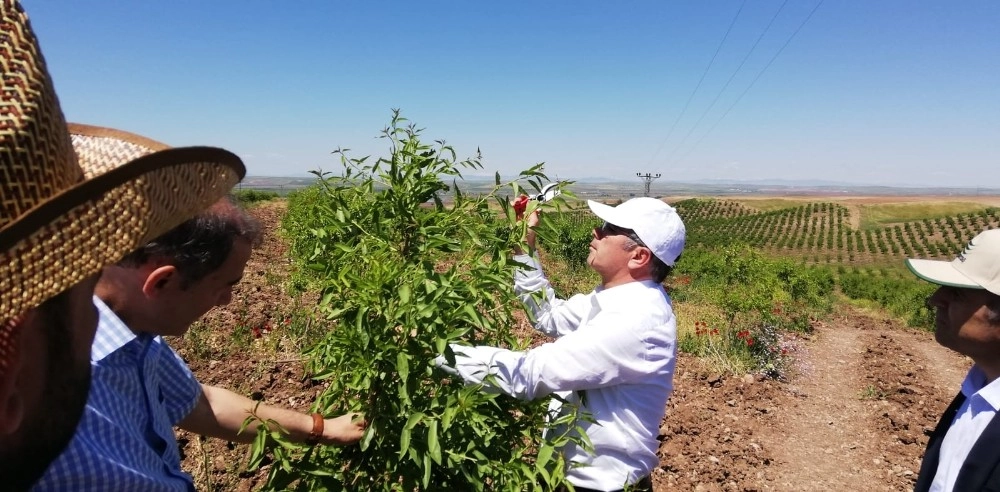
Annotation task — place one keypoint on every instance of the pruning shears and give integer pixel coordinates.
(547, 193)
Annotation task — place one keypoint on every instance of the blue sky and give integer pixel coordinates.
(894, 92)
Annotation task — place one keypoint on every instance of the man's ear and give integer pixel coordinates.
(641, 257)
(159, 279)
(11, 401)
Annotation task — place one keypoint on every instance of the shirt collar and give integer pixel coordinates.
(975, 385)
(112, 333)
(623, 294)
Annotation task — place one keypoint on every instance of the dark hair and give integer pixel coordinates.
(661, 270)
(200, 245)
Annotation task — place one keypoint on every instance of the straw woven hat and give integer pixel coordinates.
(65, 214)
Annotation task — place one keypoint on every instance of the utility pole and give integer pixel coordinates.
(647, 179)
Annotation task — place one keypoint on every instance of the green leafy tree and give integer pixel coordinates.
(406, 264)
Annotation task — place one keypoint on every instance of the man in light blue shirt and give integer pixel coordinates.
(141, 389)
(962, 453)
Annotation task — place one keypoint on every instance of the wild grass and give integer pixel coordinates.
(771, 204)
(871, 392)
(690, 313)
(567, 280)
(876, 216)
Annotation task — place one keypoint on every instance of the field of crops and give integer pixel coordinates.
(821, 232)
(861, 248)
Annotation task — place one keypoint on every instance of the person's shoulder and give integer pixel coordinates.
(173, 364)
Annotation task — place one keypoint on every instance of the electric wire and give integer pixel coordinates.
(726, 85)
(752, 82)
(711, 62)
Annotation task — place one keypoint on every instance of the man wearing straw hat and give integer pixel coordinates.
(141, 388)
(615, 345)
(62, 218)
(962, 452)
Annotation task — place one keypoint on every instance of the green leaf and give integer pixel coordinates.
(404, 294)
(413, 420)
(544, 454)
(456, 334)
(447, 417)
(366, 440)
(427, 471)
(432, 441)
(403, 366)
(404, 442)
(471, 311)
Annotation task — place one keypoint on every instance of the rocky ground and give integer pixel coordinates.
(853, 415)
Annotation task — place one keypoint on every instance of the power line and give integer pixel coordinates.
(754, 81)
(711, 62)
(726, 85)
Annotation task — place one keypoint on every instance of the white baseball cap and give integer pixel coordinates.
(656, 223)
(978, 267)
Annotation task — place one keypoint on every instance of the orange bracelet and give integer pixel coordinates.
(317, 429)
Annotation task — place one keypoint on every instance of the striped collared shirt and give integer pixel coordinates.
(982, 399)
(140, 388)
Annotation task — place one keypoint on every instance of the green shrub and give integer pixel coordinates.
(570, 237)
(758, 297)
(401, 275)
(904, 297)
(251, 196)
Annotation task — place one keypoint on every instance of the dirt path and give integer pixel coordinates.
(854, 416)
(822, 445)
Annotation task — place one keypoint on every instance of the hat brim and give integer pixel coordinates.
(121, 204)
(608, 214)
(941, 273)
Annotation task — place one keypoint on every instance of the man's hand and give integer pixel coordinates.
(519, 205)
(343, 430)
(442, 363)
(534, 219)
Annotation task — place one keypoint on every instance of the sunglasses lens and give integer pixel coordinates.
(612, 230)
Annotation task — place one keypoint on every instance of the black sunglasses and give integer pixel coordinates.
(609, 229)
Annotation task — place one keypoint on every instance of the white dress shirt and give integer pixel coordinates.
(618, 345)
(981, 403)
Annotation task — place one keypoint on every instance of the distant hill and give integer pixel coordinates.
(601, 187)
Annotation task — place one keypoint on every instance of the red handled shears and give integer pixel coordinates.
(547, 193)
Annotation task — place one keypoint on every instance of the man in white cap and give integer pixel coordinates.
(962, 453)
(615, 347)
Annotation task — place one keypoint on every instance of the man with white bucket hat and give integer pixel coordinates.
(615, 347)
(962, 453)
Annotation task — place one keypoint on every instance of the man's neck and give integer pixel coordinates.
(991, 369)
(112, 297)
